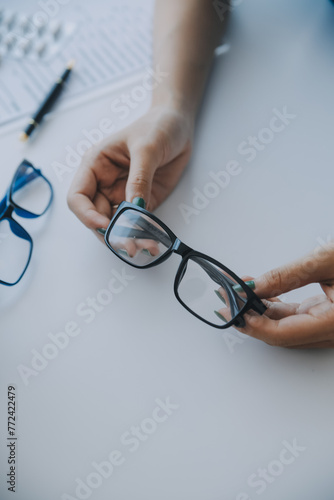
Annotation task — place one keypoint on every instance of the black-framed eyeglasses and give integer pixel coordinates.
(29, 195)
(204, 286)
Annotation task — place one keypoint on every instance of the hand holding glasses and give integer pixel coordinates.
(29, 195)
(204, 286)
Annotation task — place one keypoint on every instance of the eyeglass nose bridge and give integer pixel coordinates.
(7, 212)
(180, 248)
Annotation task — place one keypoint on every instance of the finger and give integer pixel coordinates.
(251, 279)
(226, 298)
(102, 205)
(232, 302)
(310, 269)
(110, 151)
(80, 200)
(247, 278)
(150, 245)
(125, 246)
(328, 288)
(295, 330)
(275, 308)
(314, 305)
(279, 310)
(134, 246)
(223, 314)
(143, 165)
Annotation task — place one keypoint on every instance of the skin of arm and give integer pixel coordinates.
(186, 35)
(147, 158)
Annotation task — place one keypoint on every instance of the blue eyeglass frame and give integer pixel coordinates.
(186, 252)
(8, 206)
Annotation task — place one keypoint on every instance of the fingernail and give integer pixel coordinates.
(140, 202)
(220, 297)
(239, 289)
(123, 252)
(101, 230)
(146, 252)
(220, 316)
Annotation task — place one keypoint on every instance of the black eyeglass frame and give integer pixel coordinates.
(177, 246)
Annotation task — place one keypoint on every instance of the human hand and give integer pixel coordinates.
(144, 160)
(306, 325)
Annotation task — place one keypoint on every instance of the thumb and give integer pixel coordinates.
(309, 269)
(142, 169)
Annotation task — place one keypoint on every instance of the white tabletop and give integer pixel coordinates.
(235, 403)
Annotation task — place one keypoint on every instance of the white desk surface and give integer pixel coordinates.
(239, 405)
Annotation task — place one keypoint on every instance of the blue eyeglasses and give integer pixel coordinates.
(29, 196)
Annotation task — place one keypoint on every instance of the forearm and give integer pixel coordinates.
(186, 33)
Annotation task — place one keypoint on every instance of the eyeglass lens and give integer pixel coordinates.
(30, 190)
(138, 238)
(208, 291)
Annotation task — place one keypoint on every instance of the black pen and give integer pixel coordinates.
(47, 103)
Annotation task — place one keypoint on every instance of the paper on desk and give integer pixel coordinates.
(106, 50)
